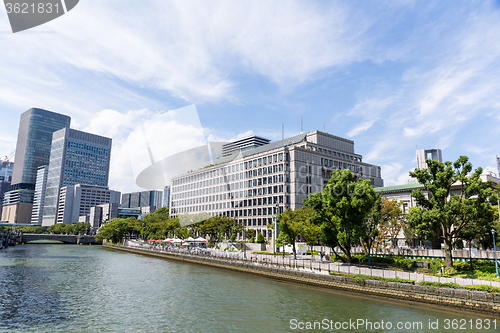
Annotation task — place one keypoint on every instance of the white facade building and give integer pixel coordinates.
(76, 200)
(250, 184)
(38, 202)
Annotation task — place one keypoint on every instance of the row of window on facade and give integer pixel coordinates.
(230, 169)
(235, 177)
(232, 195)
(78, 146)
(235, 186)
(336, 164)
(232, 213)
(340, 155)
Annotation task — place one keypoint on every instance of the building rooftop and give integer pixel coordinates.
(403, 187)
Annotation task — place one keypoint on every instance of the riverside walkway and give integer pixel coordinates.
(306, 263)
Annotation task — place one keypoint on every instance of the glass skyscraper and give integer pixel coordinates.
(33, 144)
(76, 158)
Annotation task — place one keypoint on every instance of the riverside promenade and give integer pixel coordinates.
(310, 264)
(307, 272)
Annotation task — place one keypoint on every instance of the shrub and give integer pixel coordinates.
(252, 240)
(440, 285)
(233, 237)
(462, 266)
(403, 263)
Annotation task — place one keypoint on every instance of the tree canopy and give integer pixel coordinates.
(452, 213)
(341, 210)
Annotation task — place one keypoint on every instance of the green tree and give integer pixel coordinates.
(291, 224)
(260, 238)
(341, 210)
(450, 212)
(392, 221)
(372, 224)
(114, 230)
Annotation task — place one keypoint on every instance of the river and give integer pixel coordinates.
(63, 288)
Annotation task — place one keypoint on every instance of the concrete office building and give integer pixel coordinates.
(76, 158)
(17, 205)
(428, 154)
(38, 202)
(101, 214)
(77, 200)
(250, 184)
(33, 144)
(142, 199)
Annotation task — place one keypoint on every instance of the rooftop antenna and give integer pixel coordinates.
(324, 128)
(301, 128)
(282, 131)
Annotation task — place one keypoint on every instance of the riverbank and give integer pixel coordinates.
(458, 299)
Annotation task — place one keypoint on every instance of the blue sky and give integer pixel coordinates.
(390, 75)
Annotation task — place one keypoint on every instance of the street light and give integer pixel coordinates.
(275, 227)
(495, 249)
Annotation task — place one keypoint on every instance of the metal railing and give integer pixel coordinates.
(306, 263)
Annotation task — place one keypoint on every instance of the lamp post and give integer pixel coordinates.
(275, 227)
(495, 249)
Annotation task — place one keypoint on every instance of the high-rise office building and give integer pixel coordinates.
(38, 202)
(428, 154)
(76, 157)
(33, 144)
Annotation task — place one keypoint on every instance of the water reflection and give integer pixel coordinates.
(25, 298)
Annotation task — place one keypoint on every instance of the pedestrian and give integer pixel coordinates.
(321, 255)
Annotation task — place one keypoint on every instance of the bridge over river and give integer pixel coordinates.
(68, 239)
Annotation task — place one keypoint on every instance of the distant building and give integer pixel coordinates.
(76, 158)
(38, 202)
(5, 179)
(142, 199)
(102, 213)
(77, 200)
(33, 144)
(17, 205)
(32, 151)
(428, 154)
(166, 196)
(137, 212)
(243, 144)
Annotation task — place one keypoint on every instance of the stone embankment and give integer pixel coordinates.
(458, 299)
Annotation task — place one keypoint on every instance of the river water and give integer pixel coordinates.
(63, 288)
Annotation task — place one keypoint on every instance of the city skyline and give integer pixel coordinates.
(388, 76)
